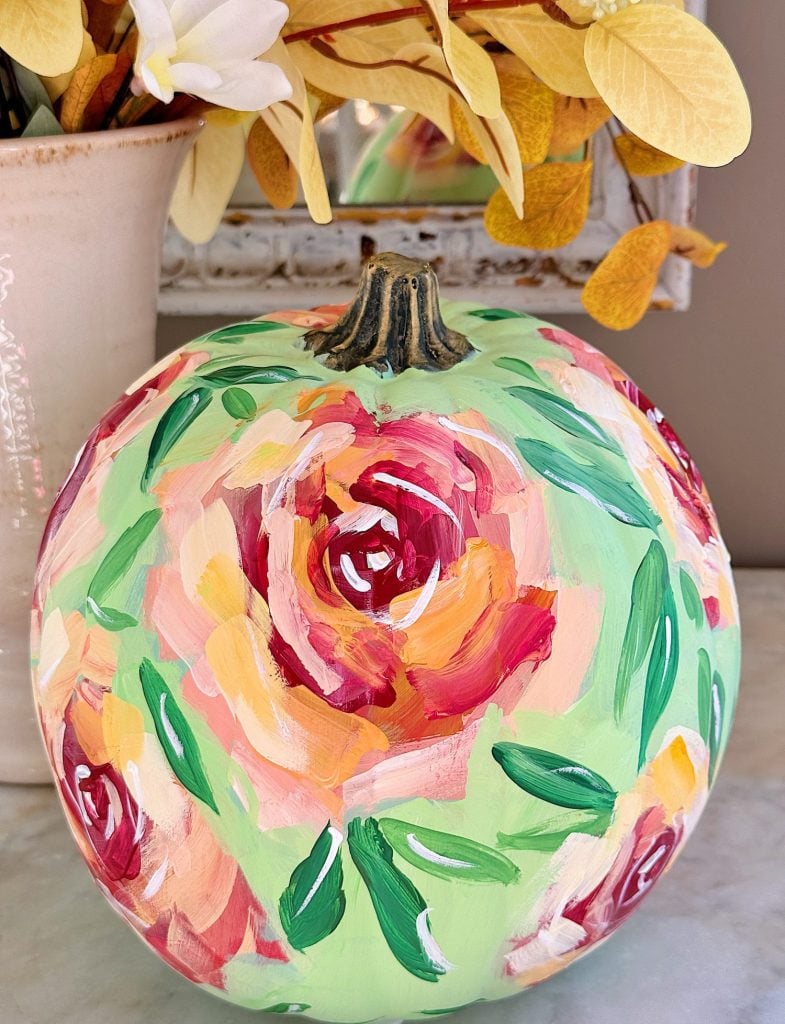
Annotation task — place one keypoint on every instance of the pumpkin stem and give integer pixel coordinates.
(394, 322)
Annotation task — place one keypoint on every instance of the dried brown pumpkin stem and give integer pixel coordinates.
(394, 322)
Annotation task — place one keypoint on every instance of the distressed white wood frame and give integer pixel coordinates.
(262, 259)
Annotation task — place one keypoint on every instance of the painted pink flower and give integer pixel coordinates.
(391, 585)
(105, 811)
(643, 857)
(600, 880)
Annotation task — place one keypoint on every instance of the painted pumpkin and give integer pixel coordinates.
(384, 661)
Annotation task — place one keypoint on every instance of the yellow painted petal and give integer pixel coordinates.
(471, 66)
(642, 159)
(123, 729)
(557, 202)
(481, 577)
(554, 52)
(112, 732)
(81, 88)
(574, 121)
(668, 78)
(695, 246)
(678, 774)
(291, 727)
(619, 291)
(208, 178)
(42, 35)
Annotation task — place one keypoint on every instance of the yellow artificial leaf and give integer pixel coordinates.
(208, 177)
(326, 102)
(272, 168)
(694, 246)
(471, 67)
(668, 78)
(619, 291)
(81, 88)
(55, 87)
(42, 35)
(557, 202)
(554, 52)
(498, 145)
(529, 106)
(463, 133)
(381, 64)
(574, 121)
(642, 159)
(291, 122)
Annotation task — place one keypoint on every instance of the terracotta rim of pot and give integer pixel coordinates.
(49, 148)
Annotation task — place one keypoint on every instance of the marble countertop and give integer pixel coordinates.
(708, 946)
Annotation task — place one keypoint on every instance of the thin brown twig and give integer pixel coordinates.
(639, 204)
(456, 8)
(120, 97)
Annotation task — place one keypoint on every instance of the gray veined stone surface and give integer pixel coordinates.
(707, 947)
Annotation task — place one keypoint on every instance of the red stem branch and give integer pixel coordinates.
(457, 7)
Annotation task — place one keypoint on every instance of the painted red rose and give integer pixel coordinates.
(106, 812)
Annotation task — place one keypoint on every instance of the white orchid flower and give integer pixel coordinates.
(208, 48)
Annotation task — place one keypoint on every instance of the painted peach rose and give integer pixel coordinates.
(348, 588)
(600, 880)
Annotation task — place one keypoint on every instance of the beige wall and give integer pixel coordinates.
(718, 371)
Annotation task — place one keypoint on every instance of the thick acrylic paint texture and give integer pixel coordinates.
(370, 696)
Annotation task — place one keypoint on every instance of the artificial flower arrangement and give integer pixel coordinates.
(522, 85)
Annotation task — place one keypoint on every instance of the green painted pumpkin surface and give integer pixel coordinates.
(371, 696)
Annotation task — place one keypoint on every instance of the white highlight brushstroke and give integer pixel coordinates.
(171, 735)
(336, 838)
(420, 492)
(421, 850)
(429, 943)
(422, 601)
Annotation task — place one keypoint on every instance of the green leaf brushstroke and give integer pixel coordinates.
(691, 597)
(554, 778)
(120, 557)
(240, 374)
(549, 835)
(239, 403)
(313, 903)
(704, 694)
(596, 483)
(174, 734)
(235, 333)
(287, 1008)
(661, 671)
(564, 415)
(498, 314)
(448, 856)
(713, 736)
(520, 367)
(399, 907)
(171, 427)
(110, 618)
(648, 590)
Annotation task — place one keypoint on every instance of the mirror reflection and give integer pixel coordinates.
(376, 155)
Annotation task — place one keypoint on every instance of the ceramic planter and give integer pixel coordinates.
(81, 224)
